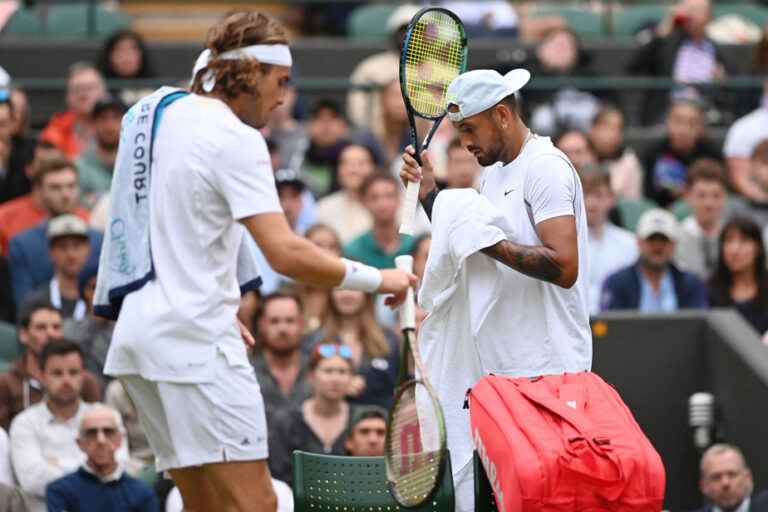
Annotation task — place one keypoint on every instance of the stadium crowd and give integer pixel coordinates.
(681, 223)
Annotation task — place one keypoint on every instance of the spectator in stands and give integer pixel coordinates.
(329, 133)
(22, 384)
(286, 135)
(680, 50)
(125, 56)
(758, 174)
(379, 246)
(71, 131)
(364, 106)
(351, 319)
(140, 453)
(15, 151)
(420, 252)
(706, 194)
(96, 163)
(28, 258)
(343, 210)
(654, 284)
(280, 365)
(621, 162)
(367, 430)
(461, 169)
(577, 147)
(726, 482)
(611, 248)
(290, 189)
(91, 332)
(666, 161)
(740, 280)
(315, 300)
(43, 446)
(100, 483)
(320, 423)
(20, 105)
(51, 175)
(391, 129)
(742, 139)
(68, 248)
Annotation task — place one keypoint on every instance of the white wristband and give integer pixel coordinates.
(360, 277)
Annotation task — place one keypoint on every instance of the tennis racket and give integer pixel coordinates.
(415, 446)
(434, 53)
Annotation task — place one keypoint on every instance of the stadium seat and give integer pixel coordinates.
(632, 209)
(354, 484)
(485, 501)
(587, 24)
(23, 22)
(628, 20)
(71, 20)
(370, 21)
(9, 345)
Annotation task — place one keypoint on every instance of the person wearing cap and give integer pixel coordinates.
(178, 347)
(96, 163)
(654, 284)
(537, 189)
(666, 161)
(68, 248)
(367, 430)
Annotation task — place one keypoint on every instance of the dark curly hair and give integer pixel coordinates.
(239, 29)
(104, 62)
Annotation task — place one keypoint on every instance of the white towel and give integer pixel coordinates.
(459, 287)
(125, 263)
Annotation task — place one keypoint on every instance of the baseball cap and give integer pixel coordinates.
(477, 91)
(66, 225)
(401, 16)
(108, 102)
(289, 177)
(657, 222)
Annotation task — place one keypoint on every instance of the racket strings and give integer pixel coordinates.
(434, 57)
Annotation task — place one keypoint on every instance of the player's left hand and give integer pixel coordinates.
(397, 283)
(248, 338)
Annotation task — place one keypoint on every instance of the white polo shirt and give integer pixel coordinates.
(209, 170)
(535, 327)
(746, 133)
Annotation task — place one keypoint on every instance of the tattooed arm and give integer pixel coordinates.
(556, 261)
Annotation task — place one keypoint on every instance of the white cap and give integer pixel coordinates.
(657, 222)
(401, 16)
(477, 91)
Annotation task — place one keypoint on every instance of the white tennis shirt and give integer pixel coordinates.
(209, 170)
(535, 327)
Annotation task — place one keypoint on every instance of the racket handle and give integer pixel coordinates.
(408, 309)
(407, 226)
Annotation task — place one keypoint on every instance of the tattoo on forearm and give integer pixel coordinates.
(534, 261)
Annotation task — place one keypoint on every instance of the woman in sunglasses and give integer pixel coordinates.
(350, 318)
(321, 422)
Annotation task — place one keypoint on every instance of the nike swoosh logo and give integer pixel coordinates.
(506, 192)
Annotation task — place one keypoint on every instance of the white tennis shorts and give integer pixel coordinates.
(191, 424)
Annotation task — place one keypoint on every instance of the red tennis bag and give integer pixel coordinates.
(563, 443)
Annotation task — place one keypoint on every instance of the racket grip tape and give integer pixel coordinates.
(408, 308)
(407, 226)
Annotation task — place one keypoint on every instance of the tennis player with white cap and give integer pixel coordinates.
(178, 348)
(539, 325)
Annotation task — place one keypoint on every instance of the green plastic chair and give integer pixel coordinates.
(23, 22)
(71, 21)
(754, 13)
(628, 20)
(585, 23)
(9, 345)
(370, 21)
(632, 209)
(485, 501)
(354, 484)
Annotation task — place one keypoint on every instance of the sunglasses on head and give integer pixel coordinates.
(5, 96)
(93, 433)
(333, 349)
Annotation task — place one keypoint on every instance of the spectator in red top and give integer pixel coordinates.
(70, 131)
(52, 177)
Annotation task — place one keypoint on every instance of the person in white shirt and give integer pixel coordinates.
(611, 248)
(539, 322)
(177, 347)
(43, 437)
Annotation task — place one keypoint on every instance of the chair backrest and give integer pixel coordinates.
(584, 22)
(630, 19)
(370, 21)
(71, 20)
(9, 345)
(23, 22)
(354, 484)
(485, 501)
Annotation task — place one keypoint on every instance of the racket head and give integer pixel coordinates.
(415, 446)
(434, 53)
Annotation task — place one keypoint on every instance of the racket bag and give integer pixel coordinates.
(563, 443)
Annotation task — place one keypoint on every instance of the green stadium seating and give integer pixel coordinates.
(23, 22)
(587, 24)
(632, 209)
(9, 345)
(354, 484)
(628, 20)
(71, 21)
(370, 21)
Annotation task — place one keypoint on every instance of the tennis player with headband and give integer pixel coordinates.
(538, 190)
(177, 347)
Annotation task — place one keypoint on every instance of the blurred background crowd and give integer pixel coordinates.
(661, 107)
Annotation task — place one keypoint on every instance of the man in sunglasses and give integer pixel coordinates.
(100, 483)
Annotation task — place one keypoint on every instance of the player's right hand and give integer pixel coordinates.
(395, 283)
(412, 171)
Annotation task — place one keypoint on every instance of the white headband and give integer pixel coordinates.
(278, 54)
